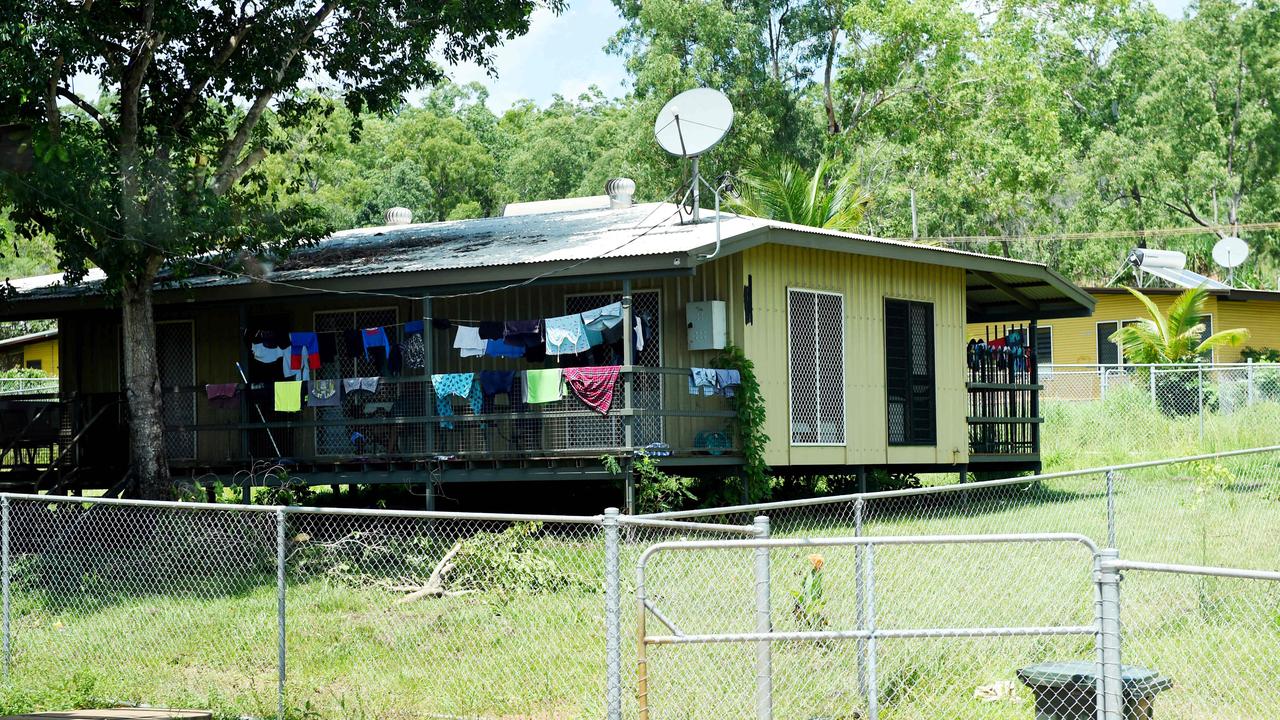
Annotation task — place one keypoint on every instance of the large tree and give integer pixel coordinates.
(159, 168)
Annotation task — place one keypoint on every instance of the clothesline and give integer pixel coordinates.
(438, 323)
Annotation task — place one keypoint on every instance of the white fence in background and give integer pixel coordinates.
(28, 386)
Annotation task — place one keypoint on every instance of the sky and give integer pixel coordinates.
(564, 54)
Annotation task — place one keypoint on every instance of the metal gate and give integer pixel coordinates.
(176, 362)
(864, 626)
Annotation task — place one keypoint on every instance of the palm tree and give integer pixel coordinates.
(1173, 337)
(779, 189)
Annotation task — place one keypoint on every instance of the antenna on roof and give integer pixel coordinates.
(690, 124)
(1230, 252)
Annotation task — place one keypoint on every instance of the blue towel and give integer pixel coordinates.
(702, 379)
(500, 349)
(727, 381)
(496, 382)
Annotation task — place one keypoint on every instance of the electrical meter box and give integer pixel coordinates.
(706, 325)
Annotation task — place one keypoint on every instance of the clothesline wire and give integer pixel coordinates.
(366, 293)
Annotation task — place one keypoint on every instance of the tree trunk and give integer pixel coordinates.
(142, 389)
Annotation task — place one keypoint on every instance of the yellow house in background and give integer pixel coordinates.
(1086, 340)
(38, 351)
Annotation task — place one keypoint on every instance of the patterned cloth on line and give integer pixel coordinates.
(594, 386)
(702, 381)
(566, 335)
(324, 393)
(367, 384)
(461, 385)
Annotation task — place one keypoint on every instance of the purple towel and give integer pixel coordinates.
(522, 333)
(223, 396)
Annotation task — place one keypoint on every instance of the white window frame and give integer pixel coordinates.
(844, 414)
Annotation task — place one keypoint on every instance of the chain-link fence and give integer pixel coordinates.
(911, 603)
(1098, 414)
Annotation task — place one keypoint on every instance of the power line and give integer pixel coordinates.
(1102, 234)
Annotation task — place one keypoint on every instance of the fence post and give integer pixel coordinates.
(1102, 382)
(860, 593)
(1151, 375)
(612, 616)
(1252, 395)
(1110, 687)
(1200, 398)
(4, 569)
(869, 611)
(1111, 508)
(281, 527)
(764, 624)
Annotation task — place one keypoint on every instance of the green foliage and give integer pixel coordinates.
(748, 422)
(656, 491)
(1173, 337)
(1261, 355)
(778, 189)
(809, 602)
(514, 561)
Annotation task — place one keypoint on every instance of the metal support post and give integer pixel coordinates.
(764, 624)
(860, 594)
(428, 368)
(1111, 508)
(1110, 690)
(281, 528)
(869, 613)
(1102, 382)
(612, 616)
(1151, 377)
(4, 568)
(628, 362)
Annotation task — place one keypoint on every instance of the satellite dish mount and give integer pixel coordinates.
(1230, 252)
(689, 125)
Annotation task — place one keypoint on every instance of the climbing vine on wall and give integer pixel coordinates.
(748, 424)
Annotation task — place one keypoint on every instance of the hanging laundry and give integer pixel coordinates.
(395, 362)
(535, 353)
(638, 341)
(441, 323)
(602, 319)
(611, 334)
(359, 384)
(500, 349)
(264, 354)
(413, 352)
(496, 382)
(292, 373)
(352, 343)
(375, 339)
(491, 330)
(594, 386)
(304, 347)
(324, 393)
(522, 333)
(702, 381)
(467, 341)
(223, 396)
(727, 382)
(271, 339)
(328, 343)
(543, 386)
(414, 327)
(452, 385)
(289, 396)
(566, 335)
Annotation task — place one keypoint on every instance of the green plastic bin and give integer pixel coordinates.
(1068, 690)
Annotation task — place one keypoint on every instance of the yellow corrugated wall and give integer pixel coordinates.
(864, 282)
(1075, 339)
(46, 352)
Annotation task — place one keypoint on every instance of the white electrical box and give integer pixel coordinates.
(706, 325)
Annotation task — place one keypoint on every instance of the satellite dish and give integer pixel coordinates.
(692, 122)
(1230, 252)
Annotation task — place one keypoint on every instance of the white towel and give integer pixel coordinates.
(468, 343)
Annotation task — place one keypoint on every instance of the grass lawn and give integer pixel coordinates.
(355, 652)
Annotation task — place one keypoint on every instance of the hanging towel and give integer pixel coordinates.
(304, 347)
(467, 342)
(223, 396)
(289, 396)
(324, 393)
(500, 349)
(451, 385)
(522, 333)
(375, 338)
(414, 327)
(543, 386)
(594, 386)
(727, 381)
(359, 384)
(702, 381)
(328, 343)
(566, 335)
(491, 330)
(496, 382)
